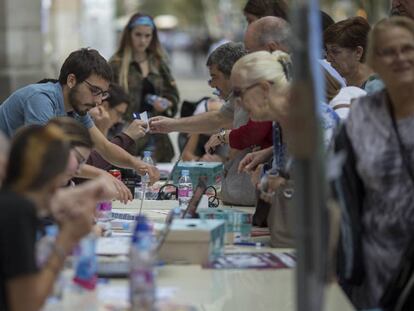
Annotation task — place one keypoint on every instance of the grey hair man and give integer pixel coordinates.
(219, 63)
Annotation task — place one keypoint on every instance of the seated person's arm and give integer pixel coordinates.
(207, 122)
(125, 140)
(119, 157)
(253, 159)
(190, 148)
(28, 289)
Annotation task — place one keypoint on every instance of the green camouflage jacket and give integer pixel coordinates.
(159, 76)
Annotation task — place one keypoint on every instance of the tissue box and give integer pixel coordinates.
(192, 241)
(238, 224)
(212, 170)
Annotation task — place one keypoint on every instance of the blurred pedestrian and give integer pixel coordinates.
(345, 44)
(140, 67)
(380, 128)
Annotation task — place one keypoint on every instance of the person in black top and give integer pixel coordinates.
(38, 161)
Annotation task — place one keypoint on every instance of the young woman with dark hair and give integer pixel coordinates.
(36, 170)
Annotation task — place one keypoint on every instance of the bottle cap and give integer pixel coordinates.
(147, 154)
(185, 173)
(142, 224)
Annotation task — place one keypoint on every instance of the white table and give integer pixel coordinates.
(208, 289)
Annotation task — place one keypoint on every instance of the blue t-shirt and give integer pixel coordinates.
(35, 104)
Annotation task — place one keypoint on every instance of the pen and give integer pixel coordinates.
(257, 244)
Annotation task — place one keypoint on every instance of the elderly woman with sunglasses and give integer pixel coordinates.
(262, 82)
(380, 128)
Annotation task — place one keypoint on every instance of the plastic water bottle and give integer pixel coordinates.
(185, 189)
(150, 194)
(104, 211)
(142, 261)
(104, 217)
(150, 99)
(85, 263)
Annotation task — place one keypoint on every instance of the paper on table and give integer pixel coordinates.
(144, 117)
(113, 246)
(120, 293)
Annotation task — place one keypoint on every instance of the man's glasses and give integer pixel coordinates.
(97, 91)
(79, 157)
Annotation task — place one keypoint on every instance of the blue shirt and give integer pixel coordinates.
(35, 104)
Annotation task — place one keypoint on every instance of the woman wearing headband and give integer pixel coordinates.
(140, 68)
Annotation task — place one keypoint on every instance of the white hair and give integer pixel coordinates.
(262, 65)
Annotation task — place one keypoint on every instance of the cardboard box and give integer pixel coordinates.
(192, 241)
(238, 223)
(212, 170)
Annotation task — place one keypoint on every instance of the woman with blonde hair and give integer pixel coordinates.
(140, 67)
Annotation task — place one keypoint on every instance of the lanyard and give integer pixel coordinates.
(279, 149)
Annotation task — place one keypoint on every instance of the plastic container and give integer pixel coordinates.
(185, 189)
(85, 264)
(104, 211)
(142, 262)
(150, 99)
(150, 192)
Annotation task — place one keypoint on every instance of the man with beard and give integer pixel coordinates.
(83, 84)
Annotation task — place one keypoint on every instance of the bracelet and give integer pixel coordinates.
(222, 136)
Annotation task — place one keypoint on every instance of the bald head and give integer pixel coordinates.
(268, 34)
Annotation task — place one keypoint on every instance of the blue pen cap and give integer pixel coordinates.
(147, 153)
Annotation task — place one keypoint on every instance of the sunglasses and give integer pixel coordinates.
(239, 93)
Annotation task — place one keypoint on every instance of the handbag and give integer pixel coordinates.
(348, 190)
(237, 188)
(280, 218)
